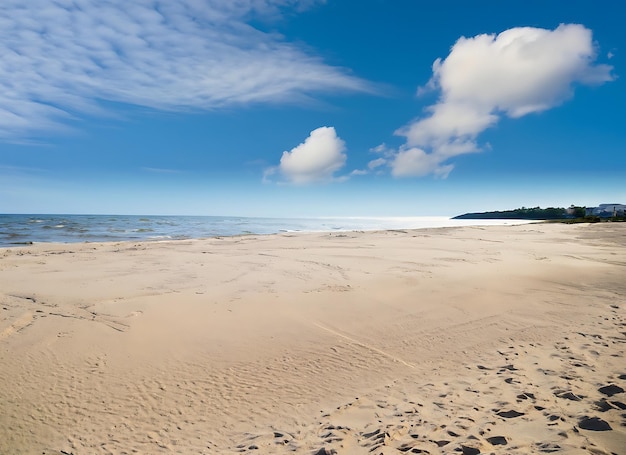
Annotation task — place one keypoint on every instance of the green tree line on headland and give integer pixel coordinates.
(528, 213)
(524, 213)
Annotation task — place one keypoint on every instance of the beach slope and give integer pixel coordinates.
(503, 339)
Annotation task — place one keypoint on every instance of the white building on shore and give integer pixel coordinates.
(606, 210)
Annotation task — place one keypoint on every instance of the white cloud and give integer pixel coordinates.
(61, 58)
(381, 149)
(448, 120)
(315, 160)
(415, 162)
(378, 162)
(518, 72)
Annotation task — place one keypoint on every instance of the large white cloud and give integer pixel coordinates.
(61, 58)
(316, 159)
(518, 72)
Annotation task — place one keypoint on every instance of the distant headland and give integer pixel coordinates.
(613, 212)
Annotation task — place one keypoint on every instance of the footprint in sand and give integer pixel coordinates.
(610, 390)
(497, 441)
(509, 414)
(604, 405)
(594, 424)
(568, 395)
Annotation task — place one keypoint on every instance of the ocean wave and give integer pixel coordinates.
(104, 228)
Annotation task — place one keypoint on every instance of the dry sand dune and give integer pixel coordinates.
(464, 341)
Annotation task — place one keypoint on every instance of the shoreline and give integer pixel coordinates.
(286, 233)
(447, 340)
(16, 230)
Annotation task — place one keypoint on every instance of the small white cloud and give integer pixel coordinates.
(518, 72)
(378, 162)
(359, 172)
(315, 160)
(382, 148)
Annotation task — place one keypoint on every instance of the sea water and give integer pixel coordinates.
(25, 229)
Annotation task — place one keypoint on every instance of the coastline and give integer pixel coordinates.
(19, 230)
(400, 340)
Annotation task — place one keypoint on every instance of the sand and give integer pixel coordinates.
(471, 340)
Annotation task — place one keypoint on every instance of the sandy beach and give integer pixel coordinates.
(501, 339)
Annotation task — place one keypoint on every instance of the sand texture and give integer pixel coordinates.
(504, 340)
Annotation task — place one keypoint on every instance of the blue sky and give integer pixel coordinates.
(310, 108)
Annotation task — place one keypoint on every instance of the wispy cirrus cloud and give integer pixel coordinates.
(520, 71)
(61, 58)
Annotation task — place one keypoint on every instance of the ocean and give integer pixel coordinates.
(18, 230)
